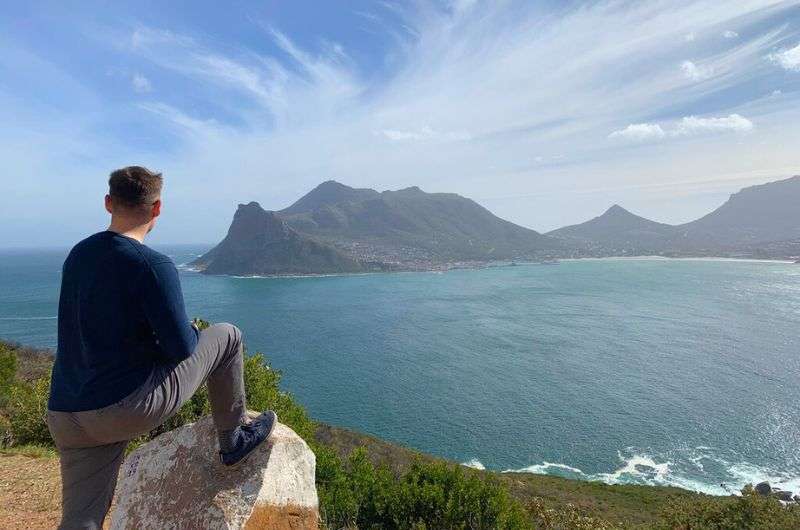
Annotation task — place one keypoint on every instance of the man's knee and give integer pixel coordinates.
(231, 333)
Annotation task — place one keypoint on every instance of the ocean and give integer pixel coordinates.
(668, 372)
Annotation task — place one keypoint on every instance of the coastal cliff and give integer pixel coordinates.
(262, 243)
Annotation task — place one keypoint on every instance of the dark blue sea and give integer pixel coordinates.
(675, 372)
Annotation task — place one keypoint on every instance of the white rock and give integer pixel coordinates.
(177, 482)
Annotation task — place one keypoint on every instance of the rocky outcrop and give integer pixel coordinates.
(260, 242)
(765, 489)
(176, 481)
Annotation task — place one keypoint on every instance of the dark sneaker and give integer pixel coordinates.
(250, 437)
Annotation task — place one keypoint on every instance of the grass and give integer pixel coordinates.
(30, 451)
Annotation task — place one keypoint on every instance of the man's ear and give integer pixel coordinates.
(108, 204)
(156, 208)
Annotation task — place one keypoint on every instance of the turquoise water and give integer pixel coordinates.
(657, 372)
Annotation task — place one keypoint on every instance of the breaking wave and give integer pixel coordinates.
(697, 469)
(474, 464)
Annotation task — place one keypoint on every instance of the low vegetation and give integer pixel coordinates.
(366, 483)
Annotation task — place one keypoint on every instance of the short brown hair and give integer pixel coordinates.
(135, 186)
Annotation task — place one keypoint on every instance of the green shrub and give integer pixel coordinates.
(429, 495)
(8, 370)
(748, 512)
(27, 412)
(6, 439)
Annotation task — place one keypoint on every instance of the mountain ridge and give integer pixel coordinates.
(758, 221)
(338, 228)
(345, 229)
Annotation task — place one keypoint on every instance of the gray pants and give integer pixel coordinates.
(92, 443)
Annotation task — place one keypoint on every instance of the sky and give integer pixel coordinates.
(545, 112)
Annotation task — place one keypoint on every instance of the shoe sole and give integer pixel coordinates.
(253, 450)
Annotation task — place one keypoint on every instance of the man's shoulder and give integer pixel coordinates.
(109, 246)
(154, 257)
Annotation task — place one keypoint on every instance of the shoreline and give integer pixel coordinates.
(491, 265)
(685, 258)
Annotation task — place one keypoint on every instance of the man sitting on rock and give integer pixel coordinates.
(128, 357)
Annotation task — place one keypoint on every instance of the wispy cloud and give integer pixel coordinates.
(788, 59)
(424, 134)
(694, 72)
(141, 84)
(730, 34)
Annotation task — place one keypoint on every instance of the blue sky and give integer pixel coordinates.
(544, 112)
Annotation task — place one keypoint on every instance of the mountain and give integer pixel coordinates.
(261, 243)
(757, 214)
(409, 224)
(336, 228)
(328, 193)
(617, 230)
(759, 221)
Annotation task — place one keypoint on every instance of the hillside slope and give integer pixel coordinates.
(445, 225)
(618, 230)
(261, 243)
(757, 214)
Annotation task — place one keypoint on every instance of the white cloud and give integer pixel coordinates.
(692, 125)
(687, 126)
(788, 59)
(425, 133)
(141, 84)
(730, 34)
(694, 72)
(689, 37)
(640, 132)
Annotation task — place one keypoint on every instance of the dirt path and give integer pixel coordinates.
(30, 492)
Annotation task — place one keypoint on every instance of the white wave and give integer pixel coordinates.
(474, 463)
(545, 467)
(639, 466)
(688, 473)
(750, 474)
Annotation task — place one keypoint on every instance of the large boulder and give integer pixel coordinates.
(782, 495)
(763, 488)
(177, 482)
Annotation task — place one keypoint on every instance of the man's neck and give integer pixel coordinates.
(134, 231)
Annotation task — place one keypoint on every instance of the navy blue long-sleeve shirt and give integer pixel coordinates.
(120, 313)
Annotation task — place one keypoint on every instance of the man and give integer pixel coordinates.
(128, 357)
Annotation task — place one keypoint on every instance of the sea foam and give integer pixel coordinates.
(641, 468)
